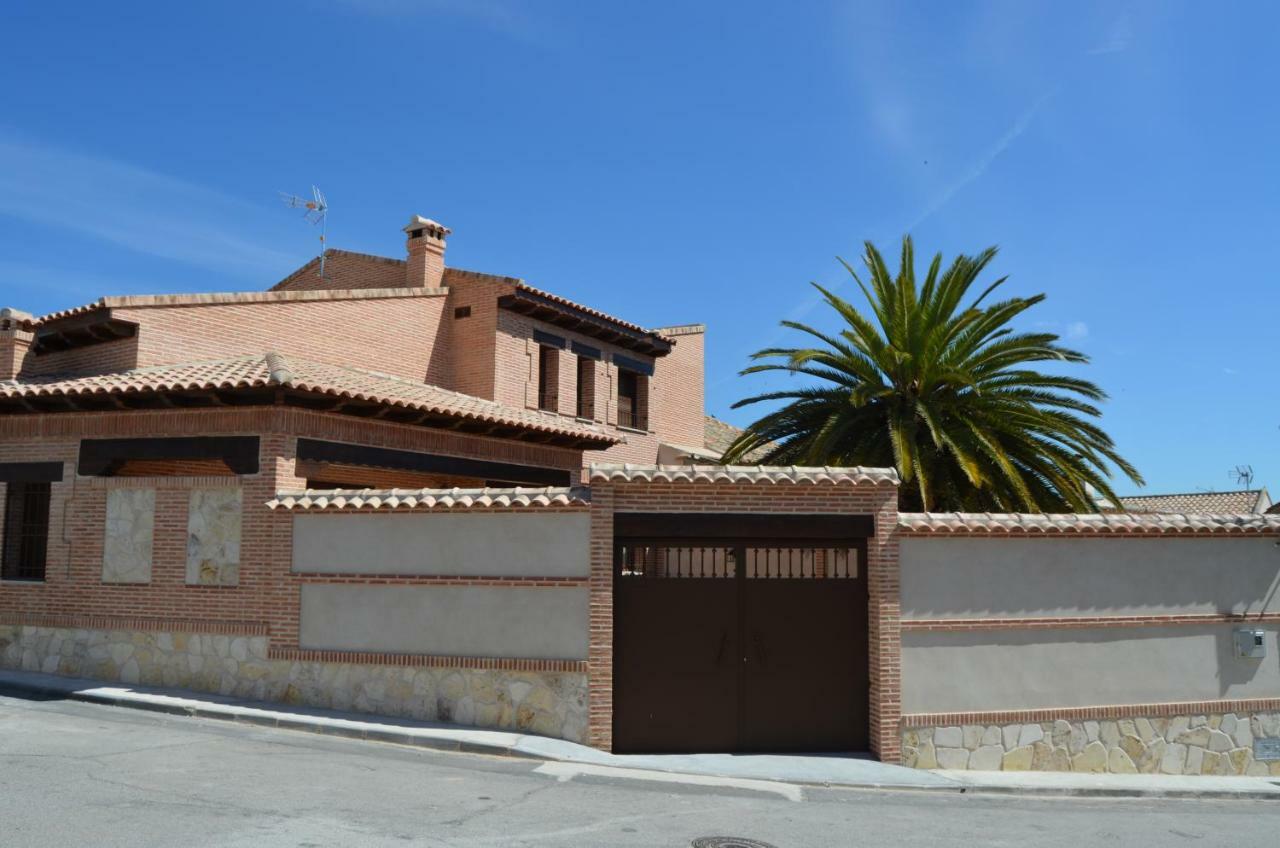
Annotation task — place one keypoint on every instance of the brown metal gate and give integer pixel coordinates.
(740, 633)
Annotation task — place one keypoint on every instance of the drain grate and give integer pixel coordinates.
(728, 842)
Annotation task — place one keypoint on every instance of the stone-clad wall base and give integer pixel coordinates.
(1219, 744)
(545, 703)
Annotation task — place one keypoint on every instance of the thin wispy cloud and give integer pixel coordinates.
(1076, 330)
(134, 208)
(969, 176)
(1118, 36)
(980, 165)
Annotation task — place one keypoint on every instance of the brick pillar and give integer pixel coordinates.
(426, 245)
(16, 336)
(278, 471)
(884, 625)
(600, 634)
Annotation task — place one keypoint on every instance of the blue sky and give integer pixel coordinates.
(680, 162)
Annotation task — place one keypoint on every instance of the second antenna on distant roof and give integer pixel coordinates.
(316, 209)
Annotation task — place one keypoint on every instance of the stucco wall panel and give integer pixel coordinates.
(976, 577)
(489, 545)
(464, 621)
(1017, 669)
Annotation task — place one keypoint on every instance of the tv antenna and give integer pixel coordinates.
(1243, 475)
(316, 212)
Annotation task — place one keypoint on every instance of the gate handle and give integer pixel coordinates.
(724, 634)
(760, 652)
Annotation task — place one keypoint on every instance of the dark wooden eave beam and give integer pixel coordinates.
(95, 327)
(563, 315)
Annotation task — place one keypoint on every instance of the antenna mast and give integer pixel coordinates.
(1243, 475)
(315, 211)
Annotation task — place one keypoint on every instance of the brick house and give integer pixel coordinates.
(141, 437)
(387, 340)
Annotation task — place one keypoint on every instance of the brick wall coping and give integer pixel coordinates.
(144, 301)
(1068, 524)
(350, 499)
(786, 474)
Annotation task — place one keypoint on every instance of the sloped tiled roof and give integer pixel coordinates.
(273, 369)
(564, 301)
(628, 473)
(400, 499)
(718, 435)
(1246, 500)
(1076, 523)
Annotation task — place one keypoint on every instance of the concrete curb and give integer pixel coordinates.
(259, 718)
(428, 738)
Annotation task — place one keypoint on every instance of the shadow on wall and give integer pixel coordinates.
(1237, 671)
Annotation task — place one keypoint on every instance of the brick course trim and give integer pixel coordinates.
(210, 482)
(226, 627)
(1115, 711)
(442, 580)
(1083, 621)
(424, 660)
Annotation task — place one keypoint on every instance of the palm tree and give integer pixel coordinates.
(942, 391)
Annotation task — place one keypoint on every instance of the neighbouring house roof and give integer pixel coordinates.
(794, 474)
(407, 401)
(397, 499)
(718, 435)
(1084, 523)
(1243, 501)
(1274, 509)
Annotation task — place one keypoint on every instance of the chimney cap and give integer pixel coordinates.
(417, 222)
(15, 314)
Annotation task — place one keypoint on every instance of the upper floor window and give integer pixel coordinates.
(586, 387)
(548, 378)
(633, 400)
(26, 530)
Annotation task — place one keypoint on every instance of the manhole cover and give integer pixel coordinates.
(729, 842)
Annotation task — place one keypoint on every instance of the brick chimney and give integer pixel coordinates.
(426, 252)
(15, 339)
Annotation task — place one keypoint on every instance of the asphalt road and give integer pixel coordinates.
(74, 774)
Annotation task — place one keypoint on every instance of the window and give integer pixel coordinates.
(632, 400)
(586, 387)
(548, 378)
(26, 531)
(462, 312)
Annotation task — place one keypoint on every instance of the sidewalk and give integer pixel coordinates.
(814, 770)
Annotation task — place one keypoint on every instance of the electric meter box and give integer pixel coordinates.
(1251, 643)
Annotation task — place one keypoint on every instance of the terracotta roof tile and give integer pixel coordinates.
(627, 473)
(718, 435)
(1072, 523)
(273, 369)
(1246, 500)
(400, 499)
